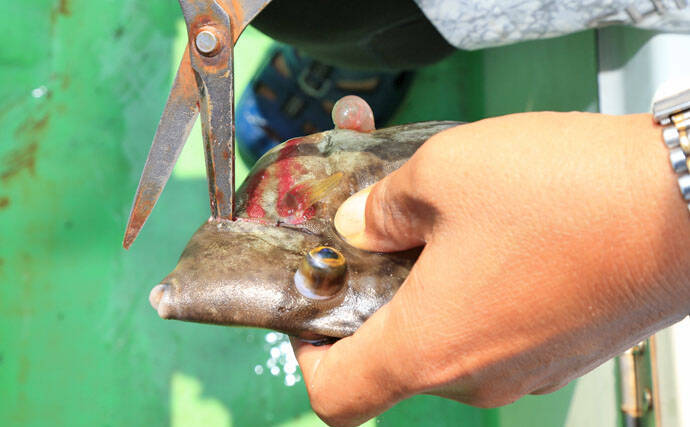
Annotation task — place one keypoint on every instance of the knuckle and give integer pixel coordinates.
(424, 168)
(326, 407)
(489, 397)
(327, 414)
(387, 211)
(433, 175)
(393, 210)
(320, 403)
(550, 388)
(483, 397)
(473, 385)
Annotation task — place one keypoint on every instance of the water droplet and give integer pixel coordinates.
(281, 359)
(258, 369)
(290, 380)
(39, 92)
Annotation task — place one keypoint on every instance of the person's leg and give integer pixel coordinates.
(370, 34)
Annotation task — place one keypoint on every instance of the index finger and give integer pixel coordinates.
(347, 381)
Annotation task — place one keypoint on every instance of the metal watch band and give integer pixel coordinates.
(673, 113)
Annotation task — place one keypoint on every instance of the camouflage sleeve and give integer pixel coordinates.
(475, 24)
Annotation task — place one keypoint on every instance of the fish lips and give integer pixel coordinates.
(242, 273)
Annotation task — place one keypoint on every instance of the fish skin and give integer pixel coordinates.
(241, 272)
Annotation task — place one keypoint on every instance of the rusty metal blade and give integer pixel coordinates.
(173, 129)
(214, 75)
(212, 87)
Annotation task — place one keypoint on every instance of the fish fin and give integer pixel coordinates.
(305, 194)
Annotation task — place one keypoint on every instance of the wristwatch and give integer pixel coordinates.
(673, 113)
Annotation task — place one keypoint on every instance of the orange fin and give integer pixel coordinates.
(305, 194)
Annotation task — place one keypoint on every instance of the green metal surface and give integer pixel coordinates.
(82, 85)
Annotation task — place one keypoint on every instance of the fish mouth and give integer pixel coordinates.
(159, 297)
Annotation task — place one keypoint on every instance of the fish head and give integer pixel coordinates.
(280, 264)
(249, 274)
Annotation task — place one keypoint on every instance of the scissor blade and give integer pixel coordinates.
(214, 76)
(173, 129)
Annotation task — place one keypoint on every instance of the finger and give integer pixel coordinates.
(389, 358)
(348, 382)
(389, 216)
(352, 112)
(308, 355)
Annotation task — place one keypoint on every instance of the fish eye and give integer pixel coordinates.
(325, 256)
(321, 274)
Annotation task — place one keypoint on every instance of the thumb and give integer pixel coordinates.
(388, 216)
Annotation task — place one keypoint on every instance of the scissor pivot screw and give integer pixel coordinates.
(207, 42)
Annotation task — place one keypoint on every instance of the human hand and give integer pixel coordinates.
(553, 241)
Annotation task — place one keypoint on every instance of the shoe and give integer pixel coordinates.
(293, 95)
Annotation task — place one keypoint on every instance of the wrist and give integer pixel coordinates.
(658, 251)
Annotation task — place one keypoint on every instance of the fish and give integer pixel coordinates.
(280, 264)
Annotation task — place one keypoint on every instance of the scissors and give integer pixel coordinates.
(204, 84)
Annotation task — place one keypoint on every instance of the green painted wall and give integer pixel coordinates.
(82, 86)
